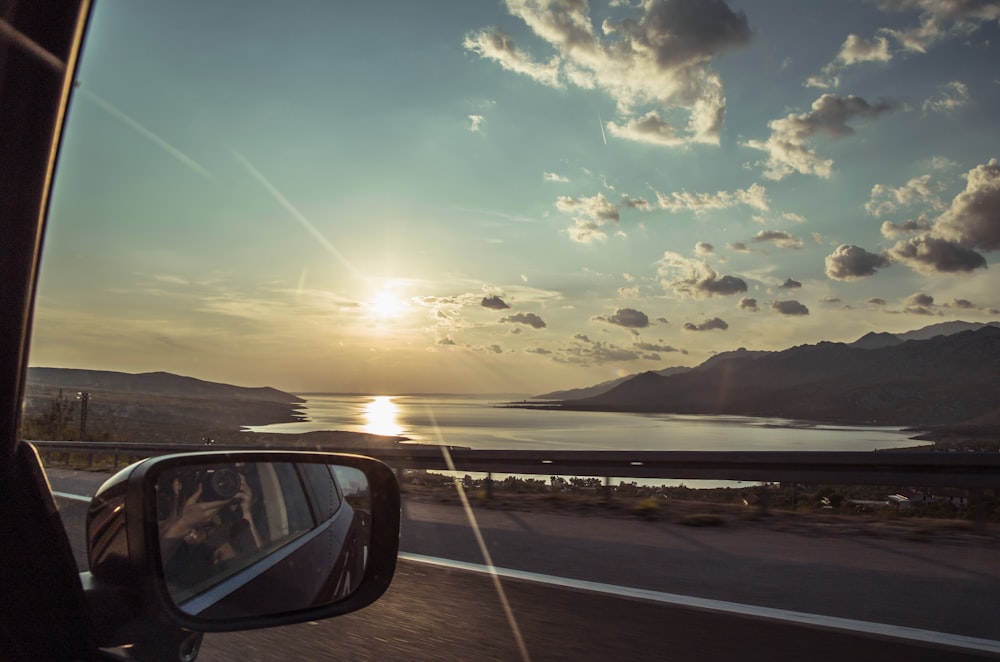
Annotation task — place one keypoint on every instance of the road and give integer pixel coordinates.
(441, 613)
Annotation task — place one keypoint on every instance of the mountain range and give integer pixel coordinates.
(943, 374)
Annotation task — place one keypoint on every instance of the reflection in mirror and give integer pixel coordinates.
(252, 539)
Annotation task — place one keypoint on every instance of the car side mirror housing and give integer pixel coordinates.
(220, 541)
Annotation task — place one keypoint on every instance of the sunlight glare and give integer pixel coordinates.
(380, 417)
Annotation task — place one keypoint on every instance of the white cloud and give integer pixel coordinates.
(888, 199)
(788, 146)
(853, 262)
(854, 50)
(952, 96)
(590, 215)
(554, 177)
(652, 64)
(754, 196)
(694, 278)
(474, 122)
(779, 238)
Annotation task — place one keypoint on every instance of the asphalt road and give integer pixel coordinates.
(438, 613)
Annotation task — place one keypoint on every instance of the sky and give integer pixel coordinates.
(516, 196)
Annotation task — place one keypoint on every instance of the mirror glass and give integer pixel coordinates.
(252, 539)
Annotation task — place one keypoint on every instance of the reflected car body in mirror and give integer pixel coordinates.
(235, 540)
(255, 538)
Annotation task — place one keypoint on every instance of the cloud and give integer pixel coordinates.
(474, 122)
(790, 284)
(938, 19)
(973, 219)
(952, 96)
(654, 347)
(496, 45)
(919, 190)
(494, 303)
(708, 325)
(829, 298)
(853, 262)
(695, 278)
(588, 352)
(627, 317)
(703, 248)
(788, 147)
(747, 303)
(789, 308)
(928, 254)
(854, 50)
(530, 319)
(635, 203)
(738, 246)
(654, 64)
(892, 230)
(554, 177)
(590, 215)
(968, 224)
(445, 341)
(875, 301)
(919, 299)
(754, 196)
(963, 304)
(779, 238)
(538, 350)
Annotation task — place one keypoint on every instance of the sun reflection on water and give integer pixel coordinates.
(380, 417)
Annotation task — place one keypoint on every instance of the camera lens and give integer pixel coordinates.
(226, 483)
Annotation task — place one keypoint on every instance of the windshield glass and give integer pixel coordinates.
(547, 226)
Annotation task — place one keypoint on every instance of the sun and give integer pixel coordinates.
(387, 305)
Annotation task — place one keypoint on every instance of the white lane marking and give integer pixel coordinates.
(721, 606)
(72, 497)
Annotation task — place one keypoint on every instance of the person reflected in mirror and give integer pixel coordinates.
(201, 536)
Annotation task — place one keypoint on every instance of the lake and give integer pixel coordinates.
(477, 422)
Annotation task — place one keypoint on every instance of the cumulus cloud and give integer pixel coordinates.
(929, 254)
(886, 199)
(654, 64)
(790, 284)
(919, 299)
(494, 302)
(695, 278)
(554, 177)
(789, 308)
(635, 203)
(590, 214)
(708, 325)
(475, 121)
(703, 248)
(969, 224)
(854, 50)
(627, 317)
(892, 230)
(738, 246)
(779, 238)
(445, 341)
(530, 319)
(754, 196)
(829, 298)
(788, 147)
(746, 303)
(853, 262)
(538, 350)
(875, 301)
(963, 304)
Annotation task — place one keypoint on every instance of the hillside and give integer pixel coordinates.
(153, 407)
(943, 380)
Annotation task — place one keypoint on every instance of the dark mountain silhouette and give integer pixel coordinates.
(945, 379)
(603, 387)
(875, 340)
(150, 383)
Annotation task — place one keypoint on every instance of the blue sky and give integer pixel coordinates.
(516, 196)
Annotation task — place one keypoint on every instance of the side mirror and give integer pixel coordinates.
(217, 541)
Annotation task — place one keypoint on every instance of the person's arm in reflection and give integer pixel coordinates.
(243, 534)
(187, 521)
